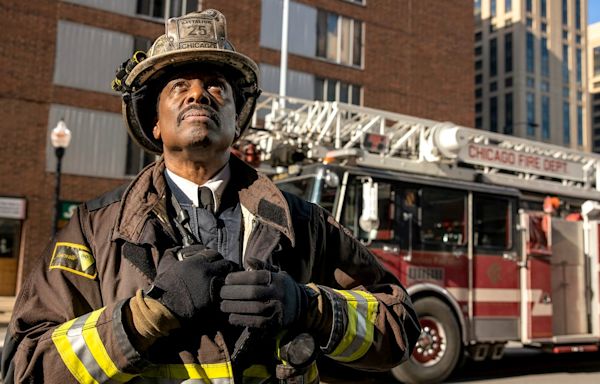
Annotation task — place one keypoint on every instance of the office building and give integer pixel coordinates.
(530, 70)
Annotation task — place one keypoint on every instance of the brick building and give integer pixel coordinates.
(408, 56)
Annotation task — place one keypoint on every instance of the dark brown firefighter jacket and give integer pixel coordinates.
(67, 324)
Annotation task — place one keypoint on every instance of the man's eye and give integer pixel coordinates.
(216, 86)
(179, 85)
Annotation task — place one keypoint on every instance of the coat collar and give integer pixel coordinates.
(257, 193)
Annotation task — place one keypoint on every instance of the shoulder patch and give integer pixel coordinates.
(74, 258)
(107, 198)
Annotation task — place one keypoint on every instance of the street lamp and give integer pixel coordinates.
(60, 137)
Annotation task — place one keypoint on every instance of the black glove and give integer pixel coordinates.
(264, 299)
(190, 286)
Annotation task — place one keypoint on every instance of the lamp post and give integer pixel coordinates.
(60, 138)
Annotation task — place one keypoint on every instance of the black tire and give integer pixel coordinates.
(439, 348)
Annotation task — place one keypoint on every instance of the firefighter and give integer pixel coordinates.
(200, 269)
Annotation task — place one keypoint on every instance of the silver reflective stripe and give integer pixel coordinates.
(75, 337)
(362, 309)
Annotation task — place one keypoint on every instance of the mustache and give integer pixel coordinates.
(209, 111)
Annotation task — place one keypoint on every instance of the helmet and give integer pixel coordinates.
(195, 38)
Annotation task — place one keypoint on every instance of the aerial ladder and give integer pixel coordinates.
(393, 141)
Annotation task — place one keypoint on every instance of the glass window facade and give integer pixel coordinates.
(566, 123)
(545, 117)
(545, 57)
(530, 55)
(578, 64)
(543, 8)
(493, 8)
(565, 63)
(508, 114)
(529, 5)
(494, 114)
(579, 125)
(507, 6)
(493, 57)
(508, 53)
(530, 114)
(578, 14)
(565, 12)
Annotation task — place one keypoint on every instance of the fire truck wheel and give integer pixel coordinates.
(438, 349)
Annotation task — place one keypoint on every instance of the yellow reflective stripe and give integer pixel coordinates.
(372, 306)
(259, 371)
(191, 371)
(67, 354)
(351, 328)
(360, 329)
(98, 351)
(313, 372)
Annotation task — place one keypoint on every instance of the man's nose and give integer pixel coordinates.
(197, 94)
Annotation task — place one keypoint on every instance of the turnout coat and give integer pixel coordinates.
(68, 326)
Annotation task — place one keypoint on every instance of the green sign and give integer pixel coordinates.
(66, 209)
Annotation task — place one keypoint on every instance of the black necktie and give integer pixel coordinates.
(205, 199)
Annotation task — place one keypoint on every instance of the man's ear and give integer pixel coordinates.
(156, 131)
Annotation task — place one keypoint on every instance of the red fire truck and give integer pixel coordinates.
(495, 237)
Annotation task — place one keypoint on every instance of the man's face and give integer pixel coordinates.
(196, 111)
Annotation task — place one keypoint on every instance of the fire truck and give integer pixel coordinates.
(495, 237)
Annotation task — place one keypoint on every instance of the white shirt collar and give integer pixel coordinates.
(216, 184)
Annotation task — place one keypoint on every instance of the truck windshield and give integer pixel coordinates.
(312, 188)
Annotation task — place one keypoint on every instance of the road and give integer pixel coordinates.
(519, 366)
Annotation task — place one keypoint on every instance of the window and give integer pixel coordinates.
(578, 38)
(545, 57)
(596, 96)
(478, 93)
(508, 53)
(165, 9)
(508, 82)
(530, 114)
(528, 5)
(10, 234)
(544, 27)
(507, 6)
(491, 222)
(493, 8)
(508, 114)
(477, 8)
(478, 122)
(493, 57)
(565, 63)
(478, 65)
(478, 78)
(579, 95)
(545, 117)
(493, 86)
(339, 39)
(565, 35)
(566, 123)
(565, 12)
(494, 114)
(530, 53)
(545, 86)
(478, 36)
(478, 50)
(578, 64)
(478, 107)
(335, 90)
(543, 8)
(530, 82)
(443, 216)
(579, 125)
(137, 158)
(566, 92)
(529, 22)
(578, 14)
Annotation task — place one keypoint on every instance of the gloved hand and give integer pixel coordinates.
(263, 298)
(190, 286)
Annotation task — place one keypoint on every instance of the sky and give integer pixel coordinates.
(593, 11)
